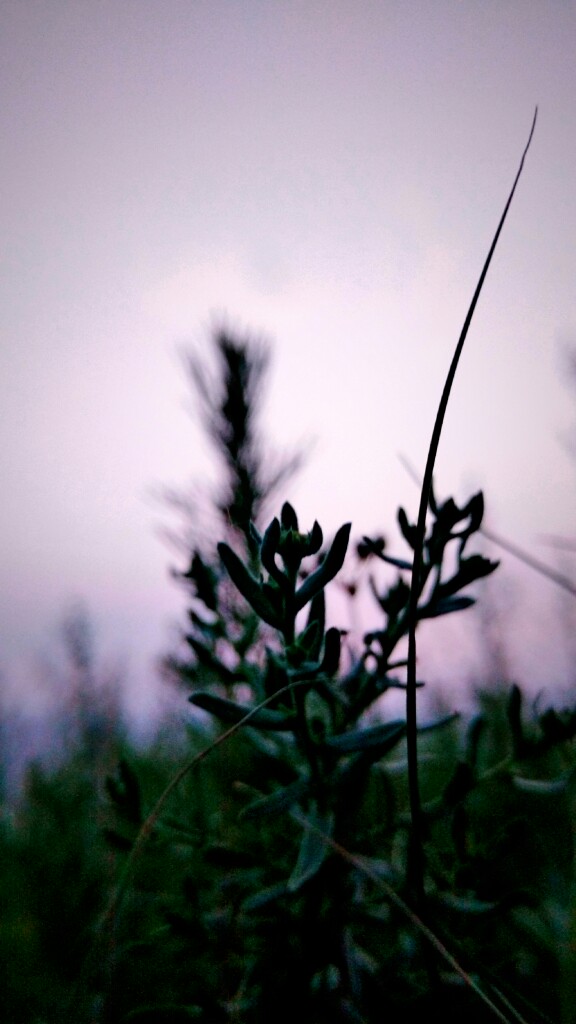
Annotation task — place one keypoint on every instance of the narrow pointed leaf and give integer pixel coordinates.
(474, 568)
(408, 530)
(248, 586)
(453, 716)
(327, 570)
(288, 517)
(230, 711)
(467, 904)
(317, 613)
(313, 848)
(263, 897)
(269, 549)
(315, 538)
(469, 570)
(475, 510)
(332, 646)
(276, 802)
(254, 536)
(310, 640)
(382, 737)
(398, 563)
(543, 787)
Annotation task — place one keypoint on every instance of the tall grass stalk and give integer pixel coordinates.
(417, 858)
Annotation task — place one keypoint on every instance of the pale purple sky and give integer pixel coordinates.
(328, 174)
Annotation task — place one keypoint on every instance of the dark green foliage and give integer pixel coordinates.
(55, 868)
(316, 858)
(294, 890)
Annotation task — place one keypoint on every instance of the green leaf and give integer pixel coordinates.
(327, 570)
(394, 600)
(409, 532)
(318, 706)
(398, 563)
(332, 647)
(467, 904)
(469, 570)
(475, 510)
(474, 568)
(276, 802)
(248, 586)
(382, 737)
(313, 848)
(254, 536)
(275, 675)
(314, 539)
(307, 644)
(447, 516)
(229, 711)
(543, 787)
(317, 614)
(268, 552)
(288, 517)
(453, 716)
(263, 897)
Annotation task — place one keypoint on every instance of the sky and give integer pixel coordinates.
(328, 176)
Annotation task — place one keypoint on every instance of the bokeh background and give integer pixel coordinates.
(327, 175)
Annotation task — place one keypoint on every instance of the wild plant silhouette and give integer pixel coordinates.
(313, 856)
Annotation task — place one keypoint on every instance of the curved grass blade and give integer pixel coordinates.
(413, 783)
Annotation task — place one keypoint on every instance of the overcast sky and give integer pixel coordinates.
(326, 174)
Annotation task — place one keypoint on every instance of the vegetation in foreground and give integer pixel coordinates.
(313, 855)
